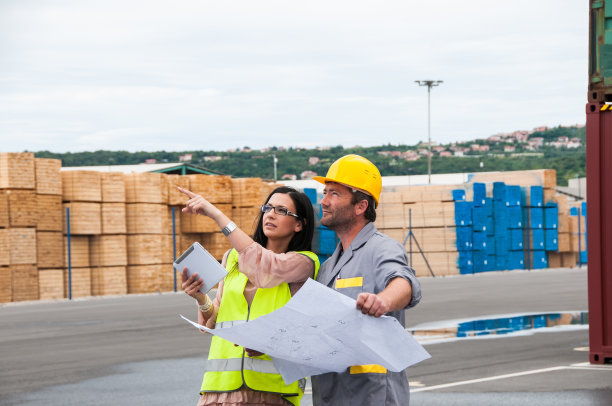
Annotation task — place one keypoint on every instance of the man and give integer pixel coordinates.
(372, 269)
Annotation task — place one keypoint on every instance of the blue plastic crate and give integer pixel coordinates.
(501, 262)
(516, 260)
(502, 246)
(312, 194)
(490, 245)
(480, 260)
(491, 262)
(536, 217)
(513, 195)
(463, 213)
(489, 206)
(515, 217)
(551, 215)
(490, 226)
(479, 241)
(479, 218)
(540, 260)
(499, 192)
(327, 241)
(516, 239)
(573, 211)
(480, 194)
(536, 196)
(583, 257)
(466, 262)
(551, 242)
(458, 195)
(537, 239)
(464, 238)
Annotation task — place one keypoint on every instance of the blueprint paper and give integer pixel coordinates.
(319, 330)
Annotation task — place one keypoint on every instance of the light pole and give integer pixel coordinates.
(429, 84)
(275, 160)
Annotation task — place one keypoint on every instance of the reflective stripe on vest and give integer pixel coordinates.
(263, 366)
(229, 367)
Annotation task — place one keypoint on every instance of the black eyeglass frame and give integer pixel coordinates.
(283, 211)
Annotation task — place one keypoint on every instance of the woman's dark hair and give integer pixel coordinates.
(302, 240)
(370, 213)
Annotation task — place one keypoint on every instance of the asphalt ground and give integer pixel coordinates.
(135, 350)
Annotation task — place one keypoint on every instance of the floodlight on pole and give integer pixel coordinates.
(429, 84)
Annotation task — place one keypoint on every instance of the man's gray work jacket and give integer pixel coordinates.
(368, 265)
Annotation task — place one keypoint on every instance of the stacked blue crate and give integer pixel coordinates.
(551, 232)
(463, 222)
(513, 200)
(480, 218)
(500, 224)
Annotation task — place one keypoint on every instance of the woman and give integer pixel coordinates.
(263, 273)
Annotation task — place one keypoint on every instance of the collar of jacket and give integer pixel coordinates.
(360, 239)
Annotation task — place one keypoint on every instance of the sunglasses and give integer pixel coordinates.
(278, 210)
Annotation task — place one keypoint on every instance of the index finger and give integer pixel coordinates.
(186, 192)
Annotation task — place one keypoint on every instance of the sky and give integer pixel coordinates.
(182, 75)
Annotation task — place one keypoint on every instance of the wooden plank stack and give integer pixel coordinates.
(147, 228)
(18, 220)
(246, 203)
(431, 213)
(49, 238)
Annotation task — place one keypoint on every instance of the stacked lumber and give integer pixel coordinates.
(49, 227)
(18, 221)
(428, 211)
(148, 227)
(82, 196)
(246, 203)
(51, 284)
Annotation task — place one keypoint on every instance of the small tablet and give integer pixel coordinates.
(197, 260)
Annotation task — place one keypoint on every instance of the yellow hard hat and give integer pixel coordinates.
(356, 172)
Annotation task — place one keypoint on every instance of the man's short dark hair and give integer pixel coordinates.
(370, 213)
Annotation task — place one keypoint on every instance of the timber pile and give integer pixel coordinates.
(18, 222)
(431, 213)
(121, 227)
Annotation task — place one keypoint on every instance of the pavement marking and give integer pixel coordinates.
(588, 365)
(581, 349)
(578, 366)
(490, 378)
(416, 383)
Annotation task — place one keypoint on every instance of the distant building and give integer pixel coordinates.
(313, 160)
(445, 153)
(150, 161)
(458, 152)
(540, 129)
(289, 176)
(185, 158)
(213, 158)
(307, 174)
(509, 148)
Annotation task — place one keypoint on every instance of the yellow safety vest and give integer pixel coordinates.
(229, 367)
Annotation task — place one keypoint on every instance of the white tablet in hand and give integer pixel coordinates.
(197, 260)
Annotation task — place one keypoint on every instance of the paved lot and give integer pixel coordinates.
(135, 350)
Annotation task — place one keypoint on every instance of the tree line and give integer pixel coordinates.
(569, 163)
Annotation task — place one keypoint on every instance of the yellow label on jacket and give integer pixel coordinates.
(368, 369)
(349, 282)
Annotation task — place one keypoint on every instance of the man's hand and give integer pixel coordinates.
(372, 304)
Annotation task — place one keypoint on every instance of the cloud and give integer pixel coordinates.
(74, 74)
